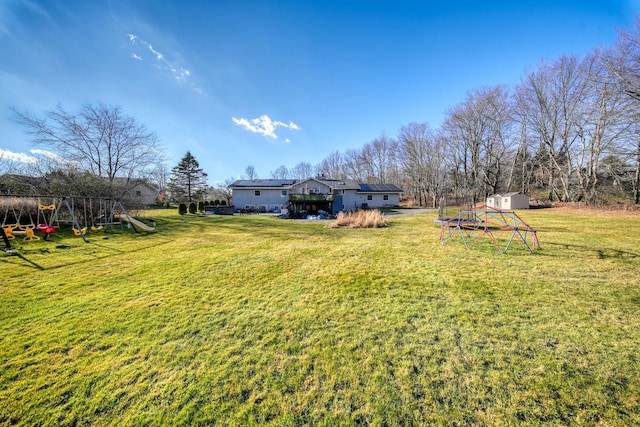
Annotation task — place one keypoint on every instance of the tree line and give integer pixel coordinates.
(568, 131)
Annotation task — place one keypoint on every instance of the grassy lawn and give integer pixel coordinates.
(252, 320)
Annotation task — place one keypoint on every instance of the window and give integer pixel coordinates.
(385, 197)
(284, 193)
(257, 193)
(370, 197)
(138, 193)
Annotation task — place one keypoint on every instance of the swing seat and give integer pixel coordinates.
(79, 232)
(94, 228)
(31, 235)
(47, 207)
(8, 231)
(47, 229)
(23, 229)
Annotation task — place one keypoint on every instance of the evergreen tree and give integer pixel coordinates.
(188, 181)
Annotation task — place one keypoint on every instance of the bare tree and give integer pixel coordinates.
(376, 162)
(603, 125)
(222, 192)
(423, 162)
(302, 170)
(355, 165)
(623, 61)
(478, 134)
(99, 139)
(250, 172)
(549, 99)
(160, 176)
(281, 172)
(332, 166)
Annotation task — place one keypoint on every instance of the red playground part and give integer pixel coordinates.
(47, 229)
(500, 227)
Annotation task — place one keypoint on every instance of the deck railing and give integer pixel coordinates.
(310, 197)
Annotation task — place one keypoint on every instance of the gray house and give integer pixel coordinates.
(312, 195)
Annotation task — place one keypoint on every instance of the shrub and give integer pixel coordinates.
(182, 209)
(201, 206)
(359, 219)
(223, 203)
(216, 202)
(193, 208)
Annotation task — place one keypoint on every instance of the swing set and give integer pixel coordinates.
(50, 212)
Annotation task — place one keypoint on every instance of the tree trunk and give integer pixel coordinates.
(636, 180)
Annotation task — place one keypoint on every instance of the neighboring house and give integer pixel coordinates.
(312, 195)
(508, 201)
(139, 191)
(142, 192)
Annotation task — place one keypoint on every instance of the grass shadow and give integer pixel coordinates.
(602, 253)
(14, 254)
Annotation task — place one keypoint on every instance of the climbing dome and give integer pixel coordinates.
(500, 227)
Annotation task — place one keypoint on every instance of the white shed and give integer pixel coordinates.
(515, 201)
(508, 201)
(494, 201)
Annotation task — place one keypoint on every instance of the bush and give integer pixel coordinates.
(223, 203)
(216, 202)
(193, 208)
(359, 219)
(182, 209)
(201, 206)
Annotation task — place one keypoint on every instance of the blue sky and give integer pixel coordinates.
(270, 83)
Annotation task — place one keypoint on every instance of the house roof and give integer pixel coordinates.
(262, 183)
(342, 183)
(379, 188)
(346, 184)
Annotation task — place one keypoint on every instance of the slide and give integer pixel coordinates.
(137, 224)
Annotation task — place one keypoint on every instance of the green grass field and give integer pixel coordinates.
(252, 320)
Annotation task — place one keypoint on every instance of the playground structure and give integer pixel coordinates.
(24, 215)
(500, 227)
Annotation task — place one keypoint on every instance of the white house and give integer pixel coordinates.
(312, 195)
(268, 195)
(508, 201)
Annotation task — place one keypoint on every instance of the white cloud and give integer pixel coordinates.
(155, 52)
(49, 155)
(264, 125)
(179, 73)
(17, 157)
